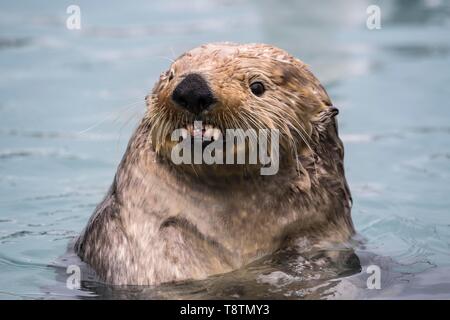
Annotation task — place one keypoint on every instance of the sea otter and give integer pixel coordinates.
(163, 222)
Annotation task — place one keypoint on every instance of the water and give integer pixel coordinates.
(392, 86)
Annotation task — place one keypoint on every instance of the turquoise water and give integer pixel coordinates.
(69, 101)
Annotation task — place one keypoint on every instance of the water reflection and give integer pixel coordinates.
(287, 274)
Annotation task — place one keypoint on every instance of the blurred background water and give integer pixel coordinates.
(391, 85)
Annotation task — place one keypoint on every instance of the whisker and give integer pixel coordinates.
(166, 58)
(111, 115)
(133, 115)
(173, 52)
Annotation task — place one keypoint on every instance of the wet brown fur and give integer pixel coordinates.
(160, 222)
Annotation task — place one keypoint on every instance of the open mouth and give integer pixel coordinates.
(205, 132)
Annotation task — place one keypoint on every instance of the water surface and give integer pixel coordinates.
(69, 101)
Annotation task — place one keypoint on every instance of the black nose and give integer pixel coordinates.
(193, 93)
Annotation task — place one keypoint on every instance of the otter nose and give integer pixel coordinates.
(193, 94)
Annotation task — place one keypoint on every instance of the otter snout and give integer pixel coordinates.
(193, 94)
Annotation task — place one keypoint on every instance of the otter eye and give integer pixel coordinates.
(257, 88)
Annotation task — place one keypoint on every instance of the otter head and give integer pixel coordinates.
(251, 88)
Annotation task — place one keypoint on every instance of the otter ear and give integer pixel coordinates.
(326, 118)
(328, 114)
(333, 111)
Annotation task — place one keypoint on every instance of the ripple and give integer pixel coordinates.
(368, 189)
(368, 137)
(357, 138)
(10, 43)
(433, 165)
(277, 279)
(17, 263)
(60, 196)
(430, 129)
(205, 25)
(17, 234)
(26, 153)
(27, 233)
(411, 239)
(419, 51)
(44, 135)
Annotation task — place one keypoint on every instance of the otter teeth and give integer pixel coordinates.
(206, 131)
(209, 132)
(198, 132)
(184, 133)
(216, 134)
(190, 129)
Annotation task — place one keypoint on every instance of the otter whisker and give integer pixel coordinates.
(282, 126)
(167, 58)
(111, 115)
(293, 127)
(124, 125)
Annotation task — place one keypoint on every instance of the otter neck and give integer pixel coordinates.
(223, 177)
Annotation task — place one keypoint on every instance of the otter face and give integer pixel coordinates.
(231, 86)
